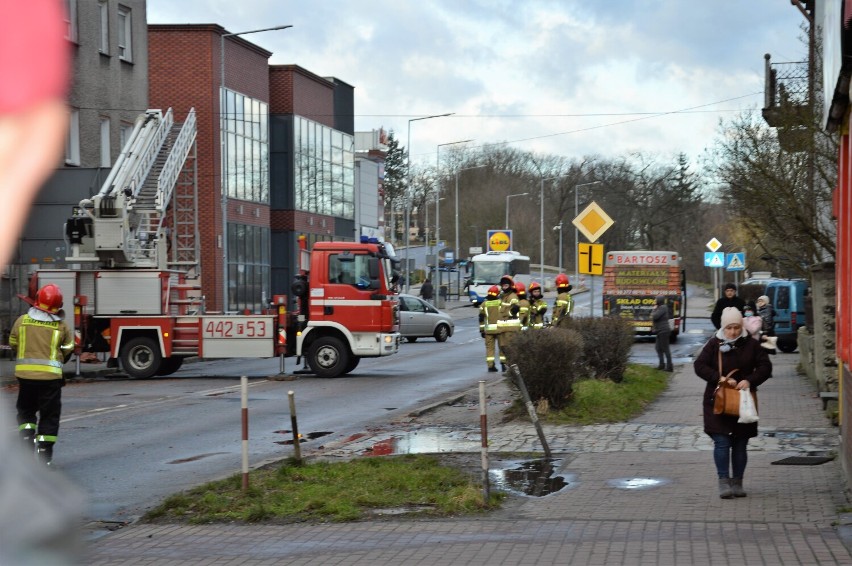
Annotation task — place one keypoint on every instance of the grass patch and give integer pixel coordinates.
(603, 401)
(330, 492)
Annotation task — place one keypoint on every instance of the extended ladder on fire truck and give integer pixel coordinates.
(124, 225)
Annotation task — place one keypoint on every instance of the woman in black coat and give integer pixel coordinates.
(730, 438)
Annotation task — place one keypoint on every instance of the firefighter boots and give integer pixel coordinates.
(28, 439)
(492, 368)
(44, 452)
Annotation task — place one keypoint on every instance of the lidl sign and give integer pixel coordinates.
(499, 240)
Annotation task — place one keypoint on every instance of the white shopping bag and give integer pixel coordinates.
(748, 411)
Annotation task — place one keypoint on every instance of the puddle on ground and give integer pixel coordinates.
(637, 483)
(429, 441)
(531, 477)
(302, 437)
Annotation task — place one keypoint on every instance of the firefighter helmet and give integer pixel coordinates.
(49, 299)
(562, 281)
(507, 279)
(493, 291)
(520, 289)
(535, 285)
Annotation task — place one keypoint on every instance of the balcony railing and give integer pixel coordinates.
(787, 101)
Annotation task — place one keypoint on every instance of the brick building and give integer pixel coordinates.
(286, 135)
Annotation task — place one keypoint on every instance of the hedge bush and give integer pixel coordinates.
(607, 343)
(549, 361)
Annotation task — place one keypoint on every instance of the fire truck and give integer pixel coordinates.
(137, 301)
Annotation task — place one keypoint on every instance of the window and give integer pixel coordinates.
(246, 147)
(71, 20)
(72, 141)
(124, 134)
(325, 176)
(349, 269)
(105, 145)
(125, 34)
(248, 267)
(103, 12)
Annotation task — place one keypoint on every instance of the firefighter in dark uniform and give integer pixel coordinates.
(564, 305)
(538, 306)
(43, 342)
(489, 314)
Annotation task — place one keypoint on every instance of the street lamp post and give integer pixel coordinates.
(576, 231)
(506, 227)
(408, 195)
(559, 227)
(541, 219)
(437, 193)
(224, 155)
(457, 204)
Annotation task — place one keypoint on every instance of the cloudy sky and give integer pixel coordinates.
(567, 77)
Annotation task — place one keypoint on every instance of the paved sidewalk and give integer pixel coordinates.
(603, 516)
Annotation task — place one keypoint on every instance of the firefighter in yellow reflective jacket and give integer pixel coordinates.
(538, 306)
(563, 308)
(43, 342)
(509, 322)
(489, 314)
(523, 305)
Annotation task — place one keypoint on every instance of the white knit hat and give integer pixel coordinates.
(731, 315)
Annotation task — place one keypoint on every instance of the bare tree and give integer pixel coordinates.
(779, 193)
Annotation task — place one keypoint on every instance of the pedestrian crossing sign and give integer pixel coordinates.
(714, 259)
(736, 262)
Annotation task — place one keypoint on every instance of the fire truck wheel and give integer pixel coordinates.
(141, 357)
(170, 365)
(328, 357)
(353, 363)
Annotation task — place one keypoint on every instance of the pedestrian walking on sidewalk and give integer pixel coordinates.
(730, 299)
(663, 333)
(426, 290)
(731, 348)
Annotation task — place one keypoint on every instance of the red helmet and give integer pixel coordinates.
(493, 291)
(49, 299)
(535, 285)
(520, 289)
(562, 281)
(507, 279)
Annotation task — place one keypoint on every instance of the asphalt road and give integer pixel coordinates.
(129, 443)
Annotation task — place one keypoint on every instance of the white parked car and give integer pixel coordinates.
(419, 319)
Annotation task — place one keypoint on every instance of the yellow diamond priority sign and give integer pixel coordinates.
(593, 222)
(713, 245)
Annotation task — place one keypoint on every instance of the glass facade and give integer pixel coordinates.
(246, 147)
(248, 267)
(245, 172)
(324, 169)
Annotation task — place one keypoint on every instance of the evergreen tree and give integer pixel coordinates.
(394, 186)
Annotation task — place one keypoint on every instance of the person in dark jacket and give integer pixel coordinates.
(426, 290)
(730, 299)
(733, 348)
(767, 315)
(663, 332)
